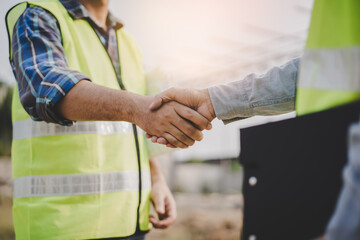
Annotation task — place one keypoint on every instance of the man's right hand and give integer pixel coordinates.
(180, 125)
(198, 100)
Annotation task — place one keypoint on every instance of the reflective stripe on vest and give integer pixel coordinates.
(80, 184)
(329, 73)
(28, 128)
(316, 74)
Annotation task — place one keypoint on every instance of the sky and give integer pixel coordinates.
(205, 42)
(201, 43)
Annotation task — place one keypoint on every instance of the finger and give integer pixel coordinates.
(156, 103)
(148, 135)
(152, 218)
(162, 140)
(181, 136)
(154, 221)
(189, 130)
(159, 202)
(196, 118)
(173, 141)
(154, 139)
(166, 222)
(169, 145)
(170, 207)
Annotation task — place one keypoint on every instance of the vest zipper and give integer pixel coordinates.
(122, 86)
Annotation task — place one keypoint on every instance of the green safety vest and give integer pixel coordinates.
(330, 68)
(90, 180)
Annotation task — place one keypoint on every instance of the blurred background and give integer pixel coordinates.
(190, 44)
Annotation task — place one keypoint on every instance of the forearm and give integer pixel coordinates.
(90, 102)
(269, 94)
(157, 174)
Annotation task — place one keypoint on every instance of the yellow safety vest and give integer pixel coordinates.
(330, 68)
(91, 180)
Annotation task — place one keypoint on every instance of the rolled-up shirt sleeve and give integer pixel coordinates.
(269, 94)
(40, 65)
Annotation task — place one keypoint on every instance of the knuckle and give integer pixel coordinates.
(176, 143)
(203, 125)
(193, 133)
(171, 89)
(172, 141)
(190, 130)
(188, 114)
(166, 114)
(183, 138)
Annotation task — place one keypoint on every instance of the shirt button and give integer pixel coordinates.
(252, 181)
(252, 237)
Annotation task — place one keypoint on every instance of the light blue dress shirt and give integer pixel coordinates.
(268, 94)
(274, 93)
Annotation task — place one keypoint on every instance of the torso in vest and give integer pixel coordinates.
(84, 181)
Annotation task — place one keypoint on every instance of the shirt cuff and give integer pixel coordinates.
(230, 101)
(53, 88)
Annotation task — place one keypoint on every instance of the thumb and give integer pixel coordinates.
(156, 103)
(160, 204)
(164, 97)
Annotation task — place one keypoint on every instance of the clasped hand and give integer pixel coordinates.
(189, 110)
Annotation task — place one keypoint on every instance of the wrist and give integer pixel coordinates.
(136, 108)
(207, 100)
(156, 173)
(157, 179)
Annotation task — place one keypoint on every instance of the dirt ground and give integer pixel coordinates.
(204, 217)
(6, 227)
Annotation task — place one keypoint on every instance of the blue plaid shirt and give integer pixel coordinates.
(39, 62)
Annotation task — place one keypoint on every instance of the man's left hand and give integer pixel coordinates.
(164, 205)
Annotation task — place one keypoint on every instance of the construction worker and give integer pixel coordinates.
(80, 165)
(329, 76)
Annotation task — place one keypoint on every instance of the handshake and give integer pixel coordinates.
(177, 116)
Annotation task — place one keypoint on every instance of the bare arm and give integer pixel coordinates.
(87, 101)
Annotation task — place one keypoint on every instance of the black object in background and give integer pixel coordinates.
(292, 174)
(5, 119)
